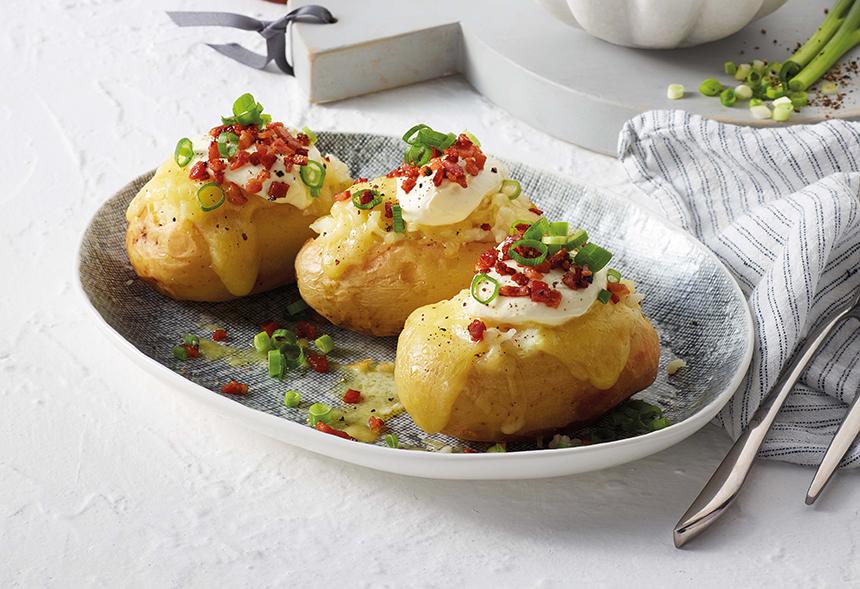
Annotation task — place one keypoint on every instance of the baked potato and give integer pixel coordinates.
(401, 241)
(227, 215)
(529, 348)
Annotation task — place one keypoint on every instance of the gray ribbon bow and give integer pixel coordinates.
(274, 32)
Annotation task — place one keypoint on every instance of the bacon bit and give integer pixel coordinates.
(246, 140)
(486, 260)
(476, 330)
(219, 335)
(300, 159)
(470, 451)
(558, 259)
(514, 291)
(214, 154)
(536, 211)
(504, 269)
(408, 184)
(486, 226)
(618, 290)
(242, 158)
(342, 196)
(520, 278)
(521, 227)
(576, 278)
(198, 171)
(375, 424)
(268, 160)
(440, 175)
(305, 330)
(325, 428)
(234, 388)
(359, 181)
(542, 293)
(278, 190)
(365, 197)
(254, 186)
(318, 362)
(270, 326)
(192, 351)
(506, 246)
(389, 210)
(532, 273)
(235, 194)
(454, 172)
(352, 396)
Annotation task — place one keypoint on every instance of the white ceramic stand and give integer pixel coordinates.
(552, 75)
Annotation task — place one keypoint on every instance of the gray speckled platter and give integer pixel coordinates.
(699, 311)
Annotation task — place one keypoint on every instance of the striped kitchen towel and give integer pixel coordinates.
(780, 207)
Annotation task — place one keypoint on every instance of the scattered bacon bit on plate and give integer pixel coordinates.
(317, 362)
(352, 396)
(327, 429)
(219, 335)
(306, 330)
(234, 388)
(375, 424)
(270, 326)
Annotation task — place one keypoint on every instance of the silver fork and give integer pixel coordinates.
(727, 480)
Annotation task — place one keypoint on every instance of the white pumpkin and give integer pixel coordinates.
(660, 24)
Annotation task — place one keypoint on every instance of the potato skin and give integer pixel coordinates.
(501, 392)
(376, 295)
(175, 258)
(170, 241)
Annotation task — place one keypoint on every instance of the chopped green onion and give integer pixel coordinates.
(613, 275)
(210, 196)
(310, 134)
(755, 102)
(247, 110)
(391, 441)
(498, 447)
(313, 175)
(292, 399)
(604, 295)
(554, 239)
(711, 87)
(518, 223)
(753, 78)
(774, 92)
(418, 155)
(727, 97)
(743, 71)
(510, 188)
(397, 217)
(440, 141)
(593, 256)
(228, 144)
(262, 342)
(774, 68)
(537, 229)
(829, 88)
(658, 423)
(479, 280)
(319, 412)
(191, 340)
(760, 111)
(356, 199)
(296, 307)
(782, 112)
(799, 98)
(180, 353)
(558, 228)
(184, 152)
(674, 91)
(324, 343)
(472, 138)
(730, 68)
(782, 101)
(532, 244)
(758, 65)
(294, 355)
(743, 92)
(283, 336)
(411, 136)
(576, 239)
(277, 365)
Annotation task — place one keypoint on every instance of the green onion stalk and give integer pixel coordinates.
(837, 34)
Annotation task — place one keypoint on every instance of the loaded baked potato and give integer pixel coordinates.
(228, 214)
(547, 336)
(395, 243)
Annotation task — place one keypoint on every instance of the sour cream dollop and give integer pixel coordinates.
(428, 204)
(298, 193)
(518, 310)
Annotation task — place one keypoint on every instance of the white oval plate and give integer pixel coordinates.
(697, 307)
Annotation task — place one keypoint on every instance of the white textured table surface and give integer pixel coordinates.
(108, 479)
